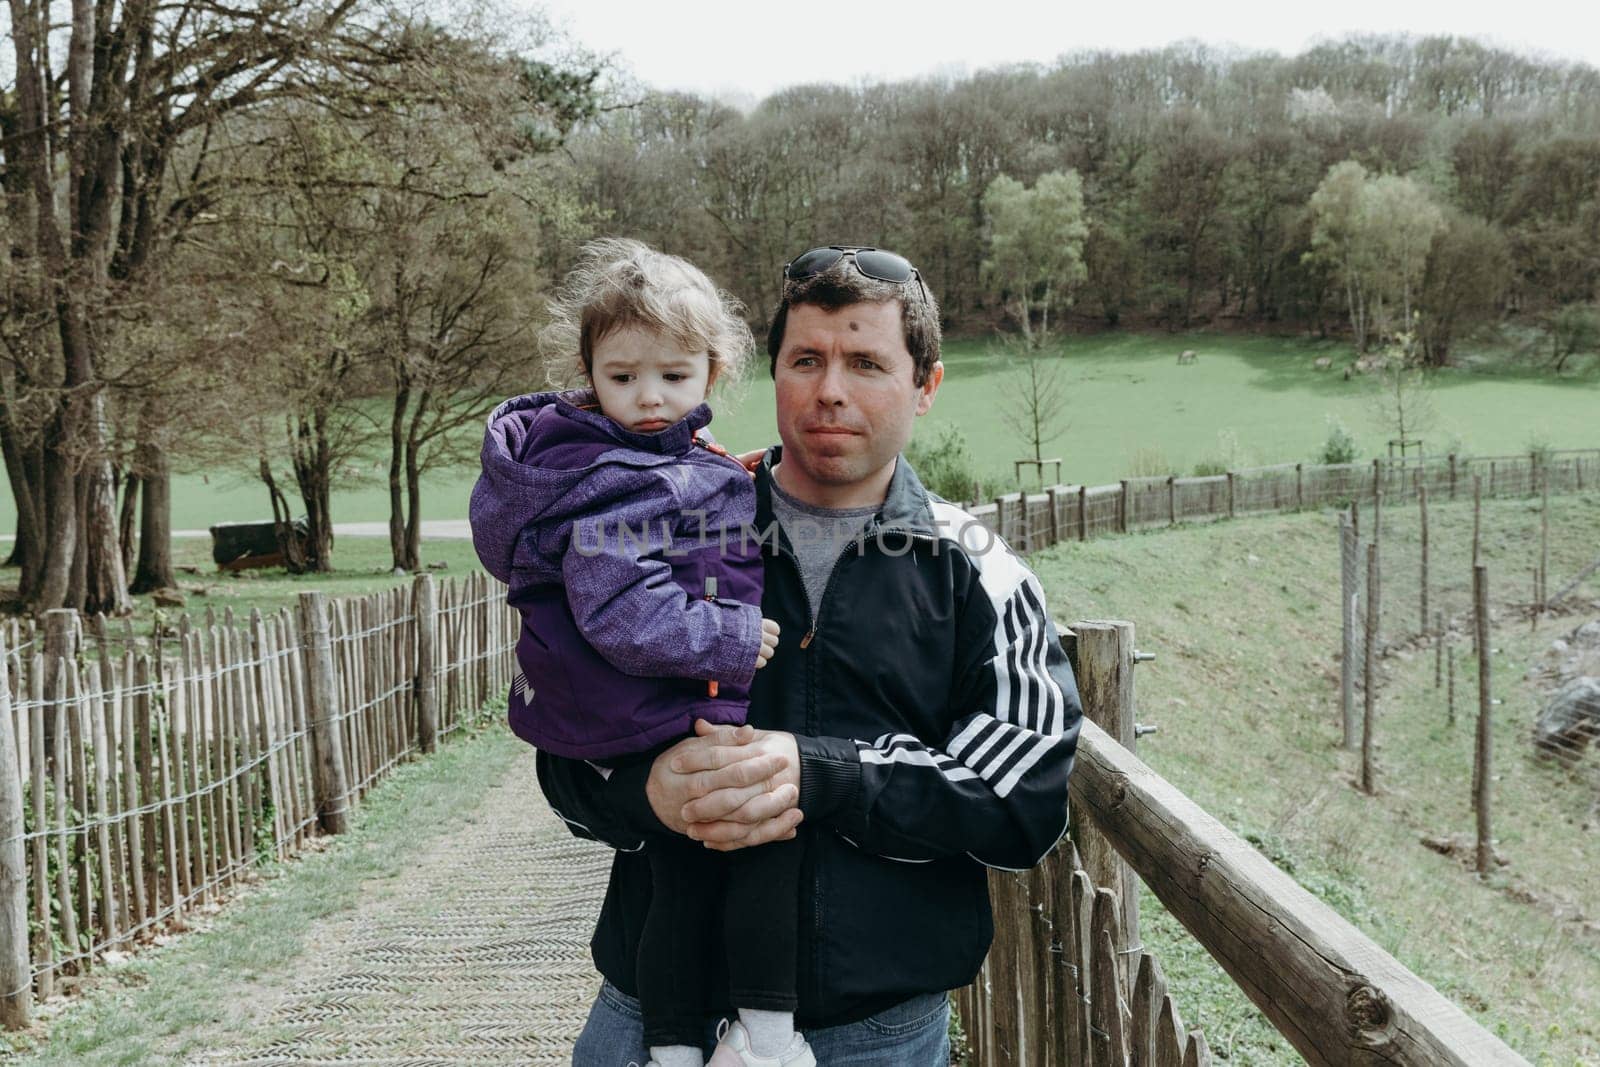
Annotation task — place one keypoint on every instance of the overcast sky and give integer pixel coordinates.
(742, 48)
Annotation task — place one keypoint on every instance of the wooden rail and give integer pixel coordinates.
(1328, 988)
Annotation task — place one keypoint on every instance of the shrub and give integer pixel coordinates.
(945, 465)
(1149, 463)
(1340, 447)
(1210, 468)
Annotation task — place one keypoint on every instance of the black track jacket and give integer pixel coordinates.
(937, 719)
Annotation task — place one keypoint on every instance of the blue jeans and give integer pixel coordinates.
(913, 1033)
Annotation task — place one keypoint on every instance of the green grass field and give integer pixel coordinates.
(1244, 620)
(1249, 400)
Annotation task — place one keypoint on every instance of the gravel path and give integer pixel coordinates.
(477, 954)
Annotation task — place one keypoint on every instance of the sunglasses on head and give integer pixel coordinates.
(874, 263)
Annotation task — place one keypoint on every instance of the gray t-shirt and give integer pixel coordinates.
(819, 536)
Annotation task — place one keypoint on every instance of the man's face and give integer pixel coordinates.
(846, 402)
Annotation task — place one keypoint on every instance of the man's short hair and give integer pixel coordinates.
(842, 285)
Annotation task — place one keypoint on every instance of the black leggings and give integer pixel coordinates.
(754, 894)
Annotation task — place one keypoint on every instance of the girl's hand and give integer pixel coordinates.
(751, 460)
(769, 642)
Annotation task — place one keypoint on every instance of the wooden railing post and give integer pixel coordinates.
(16, 977)
(1083, 513)
(327, 741)
(1122, 508)
(1230, 495)
(1105, 679)
(1054, 492)
(426, 603)
(1172, 500)
(1452, 476)
(1299, 487)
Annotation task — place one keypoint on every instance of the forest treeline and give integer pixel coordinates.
(285, 239)
(1198, 170)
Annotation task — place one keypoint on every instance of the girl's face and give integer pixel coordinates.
(645, 382)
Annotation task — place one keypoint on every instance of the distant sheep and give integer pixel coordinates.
(1187, 356)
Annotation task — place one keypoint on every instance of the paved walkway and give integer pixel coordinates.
(478, 954)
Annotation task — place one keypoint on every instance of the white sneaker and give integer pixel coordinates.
(733, 1050)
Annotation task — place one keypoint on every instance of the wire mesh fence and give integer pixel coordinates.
(1443, 685)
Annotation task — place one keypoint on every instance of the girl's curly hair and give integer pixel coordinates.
(620, 283)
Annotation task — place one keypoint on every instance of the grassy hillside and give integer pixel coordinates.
(1249, 400)
(1244, 619)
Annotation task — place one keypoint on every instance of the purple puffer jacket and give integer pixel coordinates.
(606, 538)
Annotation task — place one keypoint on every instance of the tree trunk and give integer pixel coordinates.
(313, 461)
(289, 543)
(105, 582)
(413, 532)
(77, 577)
(155, 521)
(125, 516)
(399, 548)
(26, 551)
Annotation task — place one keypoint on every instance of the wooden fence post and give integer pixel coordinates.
(1299, 487)
(1105, 666)
(1438, 650)
(1000, 519)
(1172, 500)
(1483, 763)
(1054, 493)
(16, 977)
(1368, 695)
(425, 685)
(1122, 509)
(60, 646)
(1083, 513)
(1230, 495)
(1452, 476)
(327, 741)
(1422, 506)
(1544, 547)
(1349, 596)
(1450, 691)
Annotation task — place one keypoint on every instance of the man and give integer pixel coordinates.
(918, 715)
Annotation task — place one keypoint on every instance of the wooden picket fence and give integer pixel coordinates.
(140, 778)
(1057, 513)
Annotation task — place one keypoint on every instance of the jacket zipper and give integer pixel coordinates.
(856, 543)
(805, 642)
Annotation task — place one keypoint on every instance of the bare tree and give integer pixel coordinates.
(1403, 403)
(1035, 410)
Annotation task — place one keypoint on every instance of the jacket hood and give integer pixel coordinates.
(540, 452)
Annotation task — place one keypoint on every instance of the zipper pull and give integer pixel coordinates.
(805, 642)
(711, 597)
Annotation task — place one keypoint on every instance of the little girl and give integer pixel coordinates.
(621, 530)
